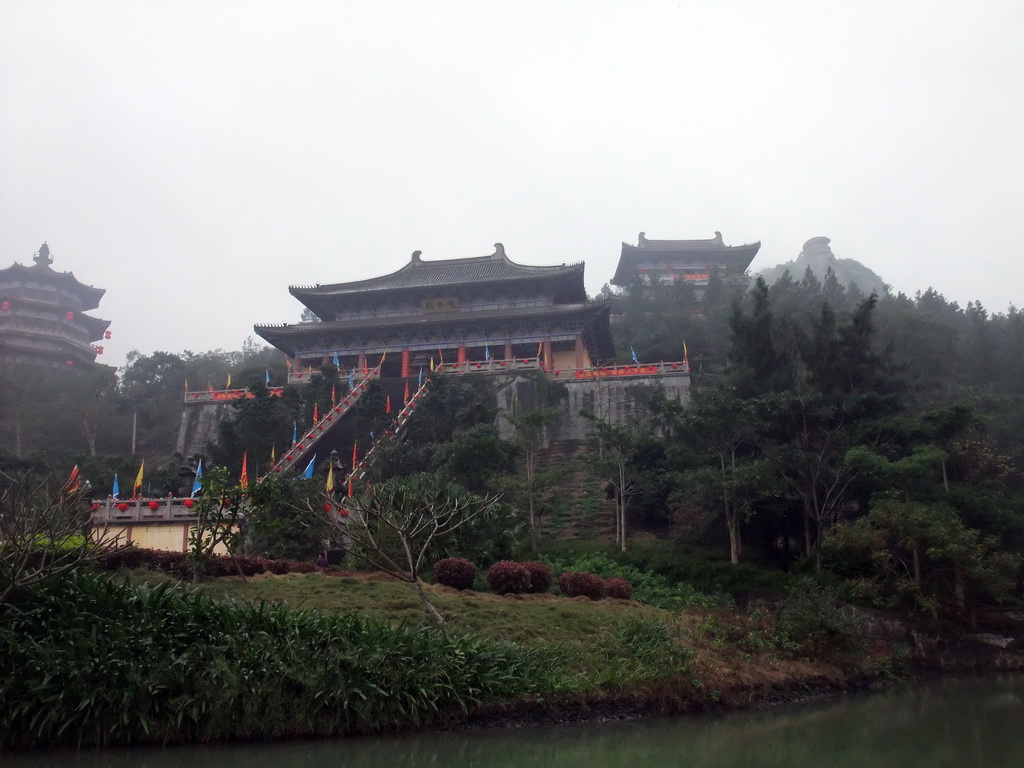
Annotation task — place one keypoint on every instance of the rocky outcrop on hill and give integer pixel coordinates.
(817, 256)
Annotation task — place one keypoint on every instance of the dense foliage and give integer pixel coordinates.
(84, 660)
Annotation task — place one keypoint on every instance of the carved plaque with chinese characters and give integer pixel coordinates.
(440, 305)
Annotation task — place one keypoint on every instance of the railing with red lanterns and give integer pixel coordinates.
(171, 509)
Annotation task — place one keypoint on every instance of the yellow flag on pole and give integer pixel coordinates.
(330, 479)
(138, 480)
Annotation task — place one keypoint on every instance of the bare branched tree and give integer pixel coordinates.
(45, 530)
(394, 526)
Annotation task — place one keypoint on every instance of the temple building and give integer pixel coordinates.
(42, 315)
(693, 261)
(477, 309)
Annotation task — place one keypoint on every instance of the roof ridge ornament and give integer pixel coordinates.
(499, 252)
(42, 257)
(416, 257)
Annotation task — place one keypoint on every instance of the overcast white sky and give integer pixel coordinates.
(195, 158)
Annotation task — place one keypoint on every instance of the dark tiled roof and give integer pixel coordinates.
(424, 274)
(89, 296)
(713, 251)
(284, 336)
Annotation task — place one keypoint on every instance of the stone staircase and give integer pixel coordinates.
(308, 442)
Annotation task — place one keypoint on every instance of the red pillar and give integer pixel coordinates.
(548, 362)
(405, 363)
(508, 350)
(462, 353)
(581, 353)
(362, 361)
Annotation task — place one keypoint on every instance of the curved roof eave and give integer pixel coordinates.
(89, 296)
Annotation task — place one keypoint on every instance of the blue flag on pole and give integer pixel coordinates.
(420, 382)
(295, 433)
(266, 377)
(351, 380)
(116, 490)
(487, 353)
(337, 364)
(308, 474)
(634, 355)
(197, 483)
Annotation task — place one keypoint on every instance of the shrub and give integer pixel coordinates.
(303, 568)
(506, 577)
(575, 584)
(540, 576)
(279, 566)
(455, 572)
(616, 587)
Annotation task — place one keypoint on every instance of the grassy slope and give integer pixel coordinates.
(608, 649)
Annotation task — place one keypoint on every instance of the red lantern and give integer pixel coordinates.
(154, 505)
(189, 503)
(68, 362)
(99, 350)
(342, 511)
(106, 335)
(123, 507)
(327, 506)
(70, 315)
(94, 507)
(6, 305)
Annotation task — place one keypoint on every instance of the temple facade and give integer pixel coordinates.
(693, 261)
(43, 316)
(427, 313)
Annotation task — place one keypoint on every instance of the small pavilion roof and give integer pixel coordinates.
(712, 251)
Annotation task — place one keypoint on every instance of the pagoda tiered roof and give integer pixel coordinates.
(43, 319)
(668, 253)
(88, 296)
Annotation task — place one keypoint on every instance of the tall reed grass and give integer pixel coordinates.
(86, 660)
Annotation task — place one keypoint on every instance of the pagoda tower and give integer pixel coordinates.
(42, 315)
(450, 311)
(693, 261)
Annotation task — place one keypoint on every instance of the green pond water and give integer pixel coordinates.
(955, 722)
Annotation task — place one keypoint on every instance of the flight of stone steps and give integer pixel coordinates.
(395, 432)
(308, 441)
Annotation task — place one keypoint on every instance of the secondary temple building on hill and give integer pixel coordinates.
(42, 315)
(452, 310)
(693, 261)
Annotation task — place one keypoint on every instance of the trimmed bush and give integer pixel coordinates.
(540, 576)
(455, 572)
(508, 578)
(176, 563)
(576, 584)
(616, 587)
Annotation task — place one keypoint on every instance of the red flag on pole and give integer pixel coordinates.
(73, 483)
(333, 398)
(405, 400)
(244, 482)
(387, 406)
(316, 414)
(350, 486)
(355, 457)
